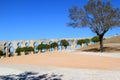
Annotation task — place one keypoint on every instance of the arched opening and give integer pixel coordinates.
(77, 45)
(10, 45)
(6, 44)
(51, 49)
(86, 44)
(27, 44)
(69, 46)
(43, 42)
(11, 49)
(59, 45)
(5, 49)
(19, 44)
(35, 47)
(35, 44)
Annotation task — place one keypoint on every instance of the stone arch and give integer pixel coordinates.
(27, 44)
(5, 44)
(43, 42)
(19, 44)
(59, 45)
(11, 48)
(35, 46)
(76, 45)
(59, 42)
(35, 43)
(70, 43)
(50, 42)
(5, 49)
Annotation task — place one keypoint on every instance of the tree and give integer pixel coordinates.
(30, 49)
(1, 53)
(86, 41)
(26, 50)
(47, 46)
(99, 15)
(18, 50)
(54, 45)
(80, 42)
(95, 39)
(64, 43)
(41, 47)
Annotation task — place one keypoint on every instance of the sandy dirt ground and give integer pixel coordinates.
(23, 72)
(66, 60)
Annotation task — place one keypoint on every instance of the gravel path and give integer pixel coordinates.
(58, 73)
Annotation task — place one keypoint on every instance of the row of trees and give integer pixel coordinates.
(50, 47)
(83, 41)
(42, 47)
(24, 49)
(54, 46)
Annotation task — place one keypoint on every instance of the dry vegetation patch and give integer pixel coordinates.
(110, 45)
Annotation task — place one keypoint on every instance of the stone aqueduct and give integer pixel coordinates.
(22, 43)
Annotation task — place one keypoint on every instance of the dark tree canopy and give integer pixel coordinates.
(64, 43)
(95, 39)
(98, 15)
(80, 42)
(1, 53)
(54, 45)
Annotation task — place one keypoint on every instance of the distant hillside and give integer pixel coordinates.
(111, 44)
(115, 39)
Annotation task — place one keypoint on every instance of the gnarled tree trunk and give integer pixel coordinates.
(101, 43)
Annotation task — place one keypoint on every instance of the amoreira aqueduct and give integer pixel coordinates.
(11, 46)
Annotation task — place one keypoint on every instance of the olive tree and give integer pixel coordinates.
(64, 43)
(1, 53)
(99, 15)
(54, 45)
(80, 42)
(95, 39)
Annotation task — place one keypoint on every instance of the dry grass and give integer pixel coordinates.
(110, 45)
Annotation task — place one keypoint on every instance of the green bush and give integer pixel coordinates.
(1, 53)
(54, 45)
(95, 39)
(64, 43)
(80, 42)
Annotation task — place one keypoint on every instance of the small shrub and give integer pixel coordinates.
(1, 53)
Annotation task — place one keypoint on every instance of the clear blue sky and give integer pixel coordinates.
(41, 19)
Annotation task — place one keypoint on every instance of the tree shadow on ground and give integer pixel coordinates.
(106, 49)
(31, 76)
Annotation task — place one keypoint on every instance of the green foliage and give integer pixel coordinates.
(87, 40)
(28, 49)
(46, 46)
(95, 39)
(18, 50)
(99, 15)
(54, 45)
(11, 54)
(64, 43)
(40, 46)
(1, 53)
(24, 49)
(80, 42)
